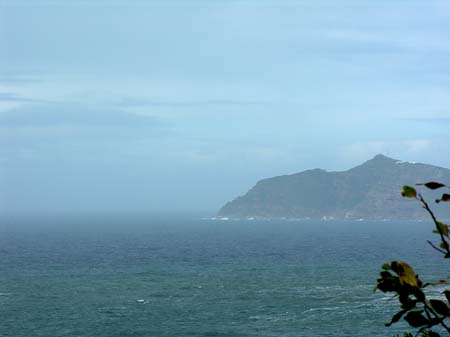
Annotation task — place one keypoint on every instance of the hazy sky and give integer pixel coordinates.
(144, 106)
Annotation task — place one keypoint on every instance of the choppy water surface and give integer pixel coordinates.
(186, 277)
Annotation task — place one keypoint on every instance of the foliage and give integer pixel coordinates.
(400, 278)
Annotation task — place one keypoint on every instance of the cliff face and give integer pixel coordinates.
(368, 191)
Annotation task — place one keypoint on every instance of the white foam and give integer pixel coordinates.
(142, 301)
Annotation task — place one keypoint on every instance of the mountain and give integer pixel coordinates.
(368, 191)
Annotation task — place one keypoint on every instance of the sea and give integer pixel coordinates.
(181, 276)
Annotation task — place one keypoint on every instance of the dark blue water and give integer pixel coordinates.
(168, 277)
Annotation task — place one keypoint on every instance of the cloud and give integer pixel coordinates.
(48, 129)
(140, 102)
(75, 115)
(429, 120)
(12, 97)
(18, 79)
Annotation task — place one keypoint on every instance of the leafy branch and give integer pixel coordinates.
(400, 278)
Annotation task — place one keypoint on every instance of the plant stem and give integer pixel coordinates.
(425, 205)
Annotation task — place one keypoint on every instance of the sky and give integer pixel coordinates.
(180, 106)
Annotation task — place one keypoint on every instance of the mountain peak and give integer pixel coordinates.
(382, 157)
(379, 160)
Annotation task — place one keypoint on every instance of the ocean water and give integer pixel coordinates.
(181, 276)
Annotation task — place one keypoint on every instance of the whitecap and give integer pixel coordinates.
(142, 301)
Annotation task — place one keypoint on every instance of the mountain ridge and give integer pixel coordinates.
(370, 190)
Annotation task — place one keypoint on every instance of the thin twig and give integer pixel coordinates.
(441, 319)
(427, 313)
(437, 248)
(425, 205)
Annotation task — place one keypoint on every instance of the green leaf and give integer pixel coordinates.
(386, 266)
(426, 333)
(415, 319)
(405, 273)
(408, 192)
(430, 333)
(418, 293)
(396, 318)
(406, 302)
(387, 282)
(445, 197)
(442, 228)
(440, 307)
(432, 185)
(447, 294)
